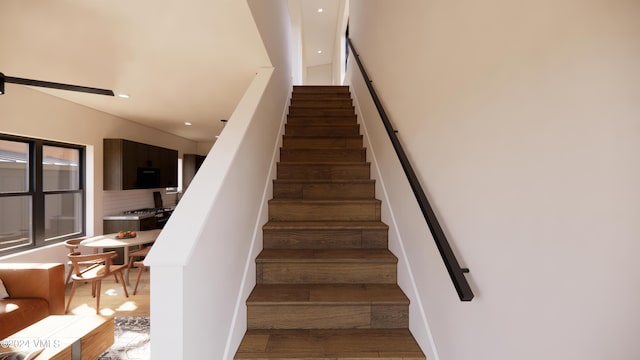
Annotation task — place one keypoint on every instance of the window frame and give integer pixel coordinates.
(35, 190)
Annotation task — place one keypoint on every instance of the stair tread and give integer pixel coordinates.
(324, 162)
(304, 88)
(329, 344)
(325, 148)
(323, 154)
(328, 148)
(306, 294)
(327, 97)
(325, 201)
(324, 225)
(342, 136)
(324, 104)
(328, 112)
(328, 162)
(324, 181)
(314, 137)
(326, 255)
(315, 119)
(321, 125)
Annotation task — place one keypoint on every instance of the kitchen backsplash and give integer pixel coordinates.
(115, 202)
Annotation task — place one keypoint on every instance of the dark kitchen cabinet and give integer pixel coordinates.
(133, 165)
(190, 165)
(169, 160)
(113, 226)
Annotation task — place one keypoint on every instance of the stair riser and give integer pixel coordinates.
(311, 120)
(321, 103)
(326, 273)
(320, 111)
(317, 191)
(323, 155)
(298, 211)
(302, 142)
(346, 130)
(321, 96)
(326, 316)
(325, 239)
(340, 99)
(320, 90)
(323, 171)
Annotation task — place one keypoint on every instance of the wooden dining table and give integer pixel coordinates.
(111, 241)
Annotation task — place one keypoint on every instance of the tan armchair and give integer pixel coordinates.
(36, 291)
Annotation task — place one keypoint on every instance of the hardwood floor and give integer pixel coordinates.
(112, 301)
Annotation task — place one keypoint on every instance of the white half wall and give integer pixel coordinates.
(205, 254)
(521, 120)
(203, 263)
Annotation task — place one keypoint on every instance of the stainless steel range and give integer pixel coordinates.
(143, 213)
(139, 219)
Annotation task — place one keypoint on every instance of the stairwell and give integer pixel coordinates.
(326, 285)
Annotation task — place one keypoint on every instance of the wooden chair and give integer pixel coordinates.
(140, 253)
(94, 273)
(72, 245)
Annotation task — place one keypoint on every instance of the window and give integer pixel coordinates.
(41, 193)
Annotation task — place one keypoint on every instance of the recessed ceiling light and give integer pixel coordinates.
(124, 96)
(319, 51)
(320, 10)
(188, 123)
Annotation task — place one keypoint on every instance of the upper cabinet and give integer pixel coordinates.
(133, 165)
(190, 165)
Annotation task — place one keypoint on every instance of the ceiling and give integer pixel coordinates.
(177, 63)
(319, 30)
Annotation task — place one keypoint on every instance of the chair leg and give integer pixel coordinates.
(140, 269)
(66, 280)
(98, 286)
(73, 291)
(124, 285)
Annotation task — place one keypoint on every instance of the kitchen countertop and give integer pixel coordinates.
(129, 216)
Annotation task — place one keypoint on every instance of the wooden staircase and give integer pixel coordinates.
(326, 281)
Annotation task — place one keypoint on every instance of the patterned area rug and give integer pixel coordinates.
(132, 340)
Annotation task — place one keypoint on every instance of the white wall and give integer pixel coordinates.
(203, 263)
(30, 113)
(297, 46)
(399, 210)
(521, 121)
(339, 53)
(319, 75)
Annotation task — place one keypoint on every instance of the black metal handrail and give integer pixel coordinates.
(453, 267)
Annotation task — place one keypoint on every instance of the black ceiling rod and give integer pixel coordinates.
(51, 85)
